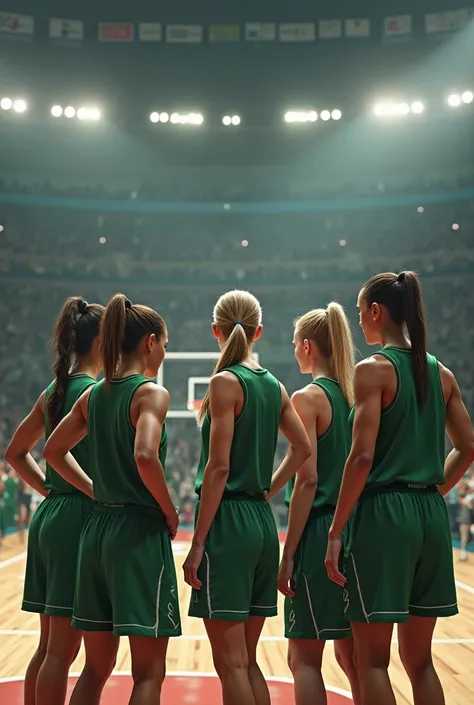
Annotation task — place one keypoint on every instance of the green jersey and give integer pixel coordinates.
(255, 434)
(113, 468)
(76, 386)
(410, 442)
(333, 448)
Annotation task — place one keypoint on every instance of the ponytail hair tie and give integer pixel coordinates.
(82, 306)
(128, 303)
(401, 277)
(238, 323)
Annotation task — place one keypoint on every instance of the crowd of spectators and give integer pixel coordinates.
(180, 264)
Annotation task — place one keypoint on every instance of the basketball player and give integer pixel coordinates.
(233, 562)
(126, 582)
(399, 566)
(53, 542)
(314, 605)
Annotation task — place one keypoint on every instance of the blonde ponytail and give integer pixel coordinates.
(237, 316)
(330, 330)
(342, 349)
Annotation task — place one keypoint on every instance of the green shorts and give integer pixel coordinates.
(317, 609)
(239, 570)
(53, 546)
(126, 581)
(399, 561)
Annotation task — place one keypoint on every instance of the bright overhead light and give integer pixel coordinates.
(417, 107)
(227, 120)
(325, 115)
(391, 109)
(56, 111)
(90, 114)
(6, 104)
(454, 100)
(301, 116)
(186, 119)
(19, 105)
(154, 117)
(467, 97)
(336, 115)
(69, 112)
(235, 120)
(164, 117)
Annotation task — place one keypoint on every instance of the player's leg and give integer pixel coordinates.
(231, 661)
(148, 668)
(35, 664)
(305, 659)
(344, 652)
(63, 646)
(253, 629)
(415, 652)
(101, 655)
(372, 647)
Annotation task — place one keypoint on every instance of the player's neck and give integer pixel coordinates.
(86, 366)
(321, 368)
(394, 337)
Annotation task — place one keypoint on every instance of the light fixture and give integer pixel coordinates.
(467, 97)
(69, 112)
(391, 109)
(6, 104)
(164, 117)
(56, 111)
(19, 105)
(301, 116)
(417, 107)
(325, 115)
(454, 100)
(336, 114)
(154, 117)
(227, 120)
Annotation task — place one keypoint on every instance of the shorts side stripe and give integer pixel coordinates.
(311, 607)
(434, 607)
(156, 625)
(264, 607)
(208, 573)
(359, 590)
(43, 604)
(92, 621)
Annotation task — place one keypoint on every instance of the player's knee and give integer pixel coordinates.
(346, 659)
(227, 662)
(365, 659)
(414, 662)
(299, 657)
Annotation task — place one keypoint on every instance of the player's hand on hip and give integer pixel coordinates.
(172, 522)
(286, 584)
(191, 565)
(332, 560)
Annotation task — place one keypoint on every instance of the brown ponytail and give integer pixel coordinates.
(75, 330)
(402, 296)
(330, 330)
(237, 315)
(123, 326)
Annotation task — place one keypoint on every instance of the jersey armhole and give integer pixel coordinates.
(130, 400)
(244, 390)
(331, 402)
(388, 357)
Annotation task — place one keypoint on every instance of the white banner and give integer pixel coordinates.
(297, 32)
(330, 29)
(465, 17)
(66, 30)
(397, 26)
(442, 22)
(20, 25)
(149, 32)
(184, 33)
(116, 32)
(260, 31)
(357, 28)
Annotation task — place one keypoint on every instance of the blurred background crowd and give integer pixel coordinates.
(174, 215)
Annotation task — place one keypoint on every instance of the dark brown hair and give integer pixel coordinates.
(401, 295)
(123, 326)
(75, 330)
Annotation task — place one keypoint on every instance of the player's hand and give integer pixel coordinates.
(191, 565)
(332, 560)
(286, 584)
(172, 522)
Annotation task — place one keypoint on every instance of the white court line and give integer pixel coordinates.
(12, 560)
(193, 674)
(465, 586)
(203, 637)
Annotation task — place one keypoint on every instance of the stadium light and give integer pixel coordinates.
(325, 115)
(301, 116)
(467, 97)
(154, 117)
(336, 115)
(6, 104)
(417, 107)
(88, 114)
(56, 111)
(69, 112)
(19, 105)
(164, 117)
(235, 120)
(454, 100)
(391, 109)
(183, 118)
(228, 120)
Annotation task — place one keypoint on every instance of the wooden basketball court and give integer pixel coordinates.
(189, 657)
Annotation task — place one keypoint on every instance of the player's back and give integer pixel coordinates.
(255, 433)
(114, 471)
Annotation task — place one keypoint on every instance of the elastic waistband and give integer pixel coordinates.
(399, 487)
(260, 497)
(128, 508)
(74, 495)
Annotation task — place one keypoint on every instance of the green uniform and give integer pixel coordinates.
(126, 573)
(399, 559)
(317, 609)
(53, 540)
(240, 565)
